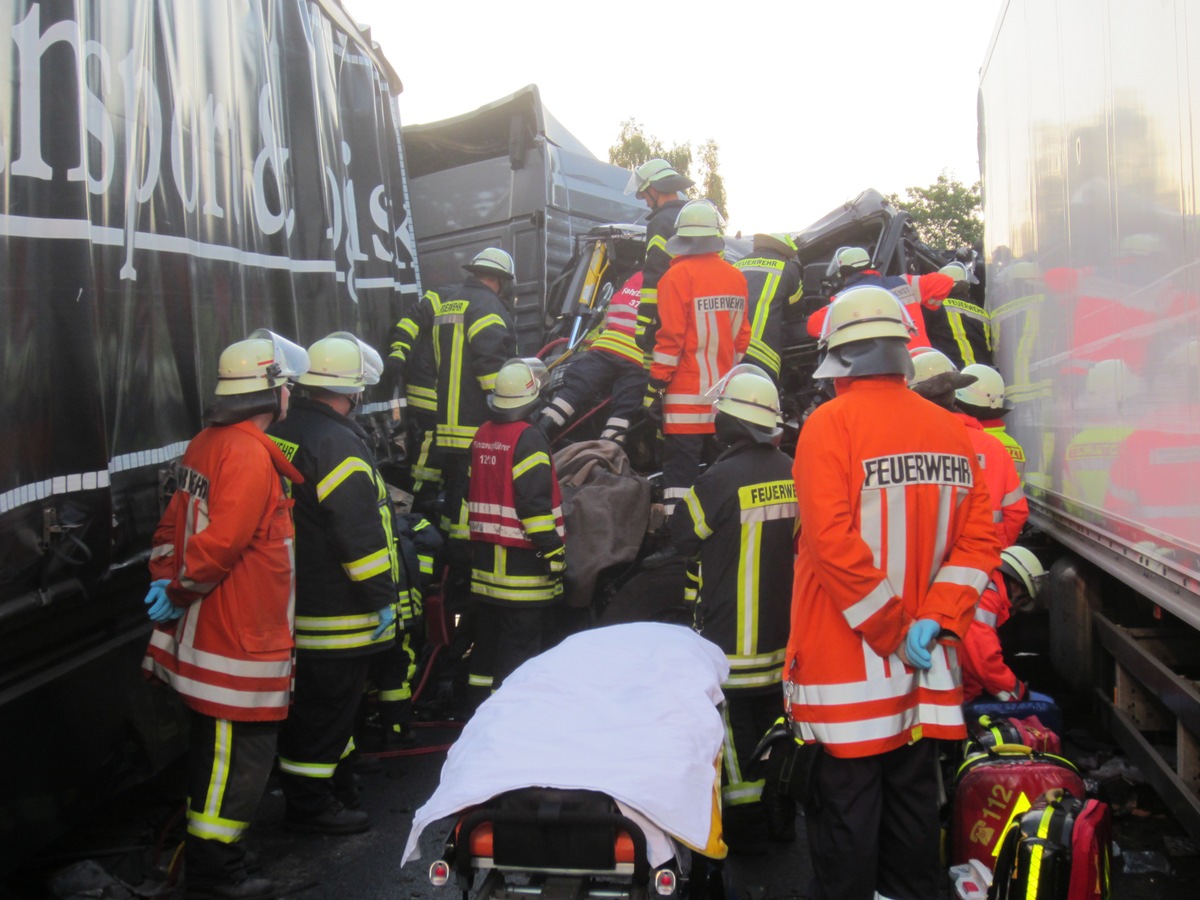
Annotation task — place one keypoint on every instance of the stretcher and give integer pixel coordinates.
(592, 773)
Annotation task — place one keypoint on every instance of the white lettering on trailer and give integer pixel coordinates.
(195, 164)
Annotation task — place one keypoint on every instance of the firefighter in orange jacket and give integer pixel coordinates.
(896, 544)
(703, 331)
(1014, 585)
(222, 601)
(514, 513)
(851, 268)
(937, 379)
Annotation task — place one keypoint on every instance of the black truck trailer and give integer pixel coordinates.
(174, 175)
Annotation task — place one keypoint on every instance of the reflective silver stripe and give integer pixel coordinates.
(947, 714)
(998, 515)
(222, 696)
(676, 418)
(307, 770)
(686, 400)
(197, 587)
(215, 828)
(896, 500)
(498, 530)
(870, 524)
(1017, 493)
(986, 617)
(752, 679)
(786, 510)
(967, 577)
(665, 359)
(869, 605)
(492, 509)
(943, 673)
(214, 662)
(899, 684)
(337, 623)
(864, 729)
(946, 508)
(674, 493)
(561, 406)
(162, 550)
(774, 658)
(700, 526)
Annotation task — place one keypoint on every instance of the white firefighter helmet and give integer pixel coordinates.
(748, 393)
(698, 229)
(341, 363)
(658, 174)
(928, 363)
(518, 386)
(862, 313)
(988, 390)
(866, 332)
(848, 260)
(959, 272)
(1020, 563)
(494, 262)
(262, 361)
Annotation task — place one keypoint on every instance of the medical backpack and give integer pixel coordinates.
(1060, 849)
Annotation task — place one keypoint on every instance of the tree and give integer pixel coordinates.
(634, 146)
(947, 214)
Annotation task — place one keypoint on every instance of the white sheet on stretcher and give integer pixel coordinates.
(629, 710)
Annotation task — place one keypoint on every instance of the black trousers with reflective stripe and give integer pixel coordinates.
(748, 716)
(505, 636)
(682, 455)
(319, 727)
(228, 764)
(873, 825)
(393, 671)
(597, 376)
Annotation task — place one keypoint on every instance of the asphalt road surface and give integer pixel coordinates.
(129, 849)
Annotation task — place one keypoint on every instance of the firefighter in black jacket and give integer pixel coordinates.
(659, 185)
(518, 555)
(347, 578)
(411, 365)
(775, 281)
(961, 327)
(472, 337)
(739, 520)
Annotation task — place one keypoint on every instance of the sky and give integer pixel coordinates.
(809, 101)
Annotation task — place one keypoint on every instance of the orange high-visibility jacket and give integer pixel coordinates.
(704, 329)
(225, 543)
(1010, 509)
(895, 526)
(983, 666)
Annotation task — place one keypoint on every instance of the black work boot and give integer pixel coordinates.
(334, 819)
(252, 887)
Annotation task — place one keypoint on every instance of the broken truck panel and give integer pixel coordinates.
(509, 175)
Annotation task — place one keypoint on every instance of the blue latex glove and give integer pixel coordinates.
(916, 645)
(387, 619)
(161, 608)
